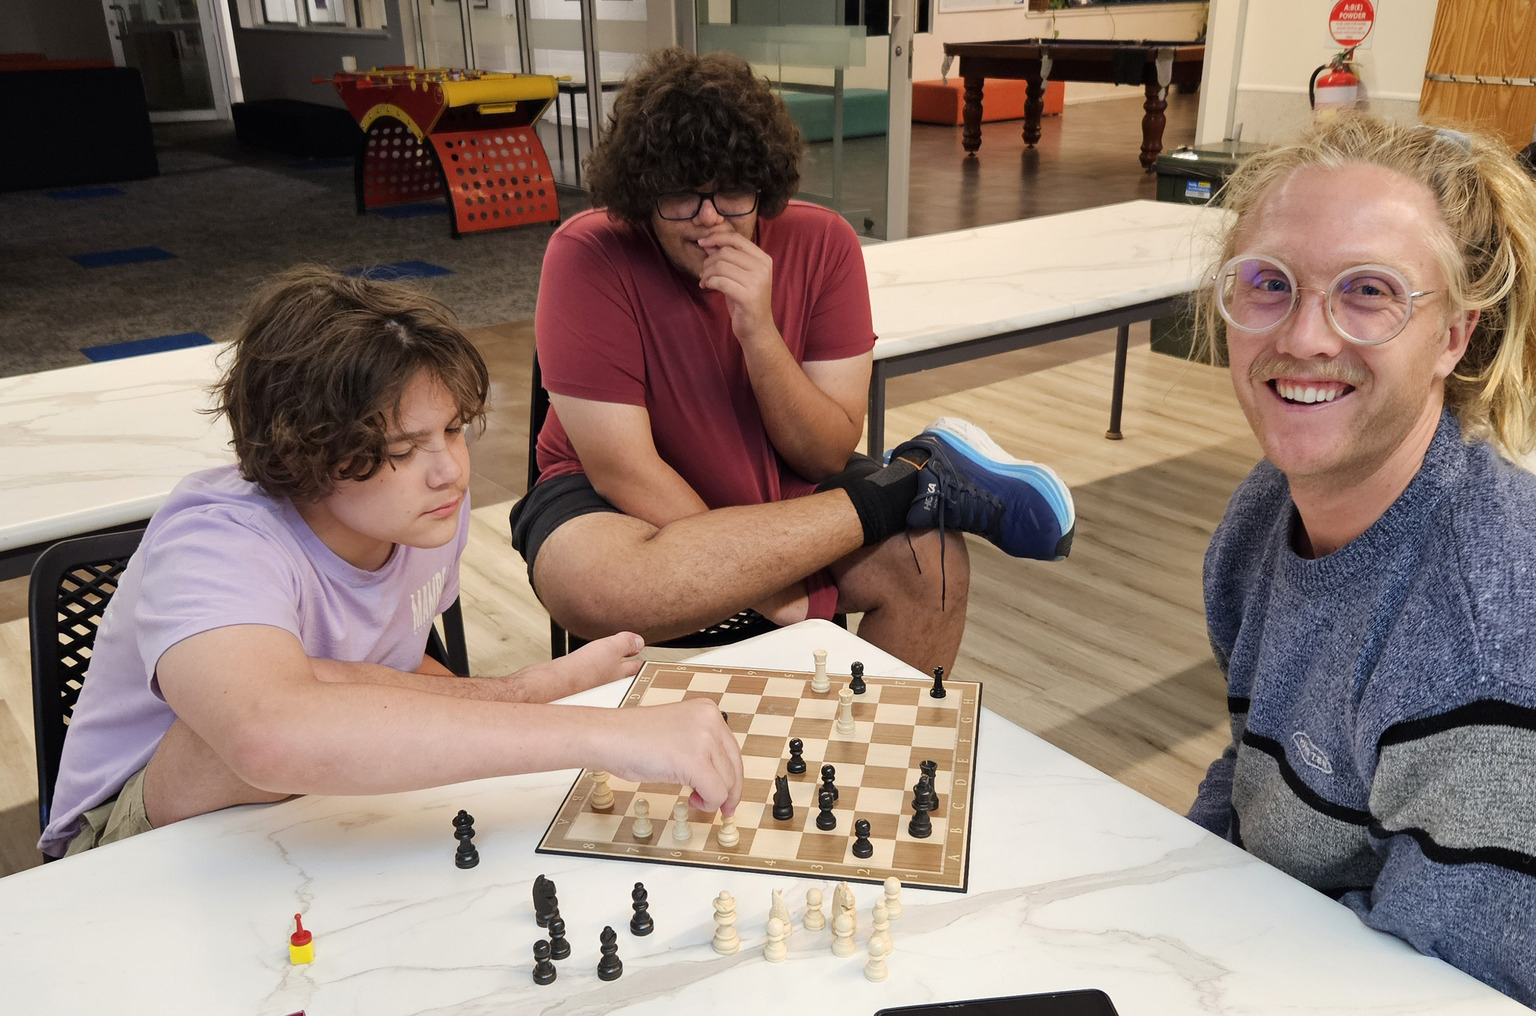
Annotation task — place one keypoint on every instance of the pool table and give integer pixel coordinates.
(1153, 65)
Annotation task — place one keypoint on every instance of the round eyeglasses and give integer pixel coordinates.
(679, 206)
(1366, 305)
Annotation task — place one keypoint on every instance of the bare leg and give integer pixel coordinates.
(185, 777)
(902, 605)
(604, 572)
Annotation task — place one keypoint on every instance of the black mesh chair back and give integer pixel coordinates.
(71, 585)
(739, 626)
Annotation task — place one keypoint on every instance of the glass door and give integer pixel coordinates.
(442, 34)
(177, 48)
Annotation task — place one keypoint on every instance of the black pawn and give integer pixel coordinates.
(861, 846)
(826, 820)
(828, 774)
(464, 830)
(937, 691)
(641, 923)
(796, 763)
(544, 972)
(610, 966)
(856, 678)
(559, 948)
(783, 809)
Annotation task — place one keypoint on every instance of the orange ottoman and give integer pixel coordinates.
(1001, 99)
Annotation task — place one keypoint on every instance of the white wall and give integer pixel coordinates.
(1158, 21)
(278, 64)
(1272, 48)
(59, 29)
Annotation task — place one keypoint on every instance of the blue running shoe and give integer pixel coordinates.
(971, 485)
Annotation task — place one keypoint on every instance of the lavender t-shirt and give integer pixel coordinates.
(221, 552)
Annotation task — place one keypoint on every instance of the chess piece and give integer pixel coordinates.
(610, 967)
(920, 826)
(828, 775)
(815, 920)
(726, 941)
(796, 763)
(856, 678)
(543, 971)
(681, 832)
(643, 826)
(930, 769)
(937, 691)
(893, 897)
(842, 898)
(820, 683)
(641, 924)
(775, 951)
(783, 810)
(464, 831)
(862, 848)
(602, 795)
(728, 836)
(780, 910)
(845, 711)
(881, 926)
(923, 790)
(875, 969)
(826, 821)
(544, 900)
(842, 936)
(559, 948)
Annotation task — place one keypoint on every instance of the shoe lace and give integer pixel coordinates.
(973, 508)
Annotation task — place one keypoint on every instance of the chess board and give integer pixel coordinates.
(896, 726)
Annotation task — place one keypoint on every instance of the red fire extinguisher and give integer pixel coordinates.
(1338, 88)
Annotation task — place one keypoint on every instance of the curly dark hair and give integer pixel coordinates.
(318, 371)
(686, 120)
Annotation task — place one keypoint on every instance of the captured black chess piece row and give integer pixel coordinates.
(546, 911)
(924, 799)
(857, 686)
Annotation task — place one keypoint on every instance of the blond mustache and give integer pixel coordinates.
(1324, 370)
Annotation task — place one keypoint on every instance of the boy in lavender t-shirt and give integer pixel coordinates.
(267, 638)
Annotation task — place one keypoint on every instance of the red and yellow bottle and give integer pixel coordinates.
(301, 944)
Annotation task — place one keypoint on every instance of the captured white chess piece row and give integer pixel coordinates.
(844, 922)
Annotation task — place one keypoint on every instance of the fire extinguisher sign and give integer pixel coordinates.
(1351, 21)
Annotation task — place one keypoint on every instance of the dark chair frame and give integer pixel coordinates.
(70, 586)
(742, 625)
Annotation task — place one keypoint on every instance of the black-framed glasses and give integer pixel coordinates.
(679, 206)
(1366, 304)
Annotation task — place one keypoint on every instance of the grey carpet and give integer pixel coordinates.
(231, 216)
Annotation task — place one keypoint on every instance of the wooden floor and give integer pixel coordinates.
(1104, 654)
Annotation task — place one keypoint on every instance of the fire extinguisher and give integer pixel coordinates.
(1338, 88)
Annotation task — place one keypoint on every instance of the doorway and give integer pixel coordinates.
(177, 46)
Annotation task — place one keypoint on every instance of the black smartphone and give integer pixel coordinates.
(1087, 1002)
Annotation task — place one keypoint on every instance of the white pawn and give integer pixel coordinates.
(882, 928)
(815, 920)
(845, 710)
(842, 936)
(728, 836)
(680, 829)
(820, 684)
(726, 941)
(775, 951)
(602, 796)
(643, 826)
(876, 969)
(778, 910)
(893, 897)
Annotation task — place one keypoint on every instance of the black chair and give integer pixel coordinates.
(739, 626)
(69, 589)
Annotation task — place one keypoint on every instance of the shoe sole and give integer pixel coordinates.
(965, 438)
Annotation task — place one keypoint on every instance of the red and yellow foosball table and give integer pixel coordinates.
(468, 135)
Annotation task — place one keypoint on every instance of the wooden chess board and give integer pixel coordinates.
(897, 725)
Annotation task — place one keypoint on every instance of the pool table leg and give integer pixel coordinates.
(1034, 107)
(1152, 123)
(970, 114)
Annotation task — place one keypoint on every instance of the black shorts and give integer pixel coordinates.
(549, 505)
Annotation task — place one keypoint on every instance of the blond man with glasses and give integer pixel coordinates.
(1369, 590)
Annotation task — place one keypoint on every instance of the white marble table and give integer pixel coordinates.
(101, 445)
(959, 296)
(1076, 881)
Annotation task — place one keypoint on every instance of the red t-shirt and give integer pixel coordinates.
(616, 322)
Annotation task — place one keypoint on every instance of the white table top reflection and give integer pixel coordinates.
(1075, 882)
